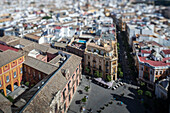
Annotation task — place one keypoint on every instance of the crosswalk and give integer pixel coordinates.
(118, 85)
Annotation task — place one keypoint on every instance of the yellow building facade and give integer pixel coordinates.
(11, 74)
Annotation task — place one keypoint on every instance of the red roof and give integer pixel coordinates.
(155, 63)
(166, 51)
(58, 27)
(144, 51)
(5, 47)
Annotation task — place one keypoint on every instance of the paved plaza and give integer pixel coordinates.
(99, 97)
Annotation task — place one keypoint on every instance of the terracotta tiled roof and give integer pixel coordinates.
(166, 51)
(144, 51)
(5, 104)
(41, 101)
(44, 67)
(8, 56)
(58, 27)
(155, 63)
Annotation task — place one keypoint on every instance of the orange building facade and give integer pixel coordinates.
(11, 74)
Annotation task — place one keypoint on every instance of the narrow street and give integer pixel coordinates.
(123, 59)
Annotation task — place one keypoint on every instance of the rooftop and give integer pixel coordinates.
(8, 56)
(5, 47)
(40, 98)
(166, 51)
(155, 63)
(44, 67)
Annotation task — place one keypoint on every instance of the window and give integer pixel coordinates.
(6, 66)
(64, 94)
(7, 79)
(100, 68)
(94, 65)
(69, 85)
(0, 84)
(102, 52)
(114, 70)
(146, 76)
(142, 68)
(107, 70)
(167, 72)
(91, 49)
(76, 70)
(21, 70)
(151, 72)
(107, 64)
(88, 57)
(65, 107)
(156, 72)
(39, 76)
(146, 69)
(160, 72)
(77, 83)
(15, 75)
(73, 76)
(88, 63)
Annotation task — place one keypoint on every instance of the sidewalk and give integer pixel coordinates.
(75, 104)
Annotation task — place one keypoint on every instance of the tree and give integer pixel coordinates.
(98, 74)
(10, 98)
(47, 17)
(148, 93)
(27, 84)
(87, 69)
(121, 74)
(142, 83)
(140, 92)
(84, 99)
(119, 65)
(86, 88)
(108, 78)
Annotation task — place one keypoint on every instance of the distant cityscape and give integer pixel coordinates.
(84, 56)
